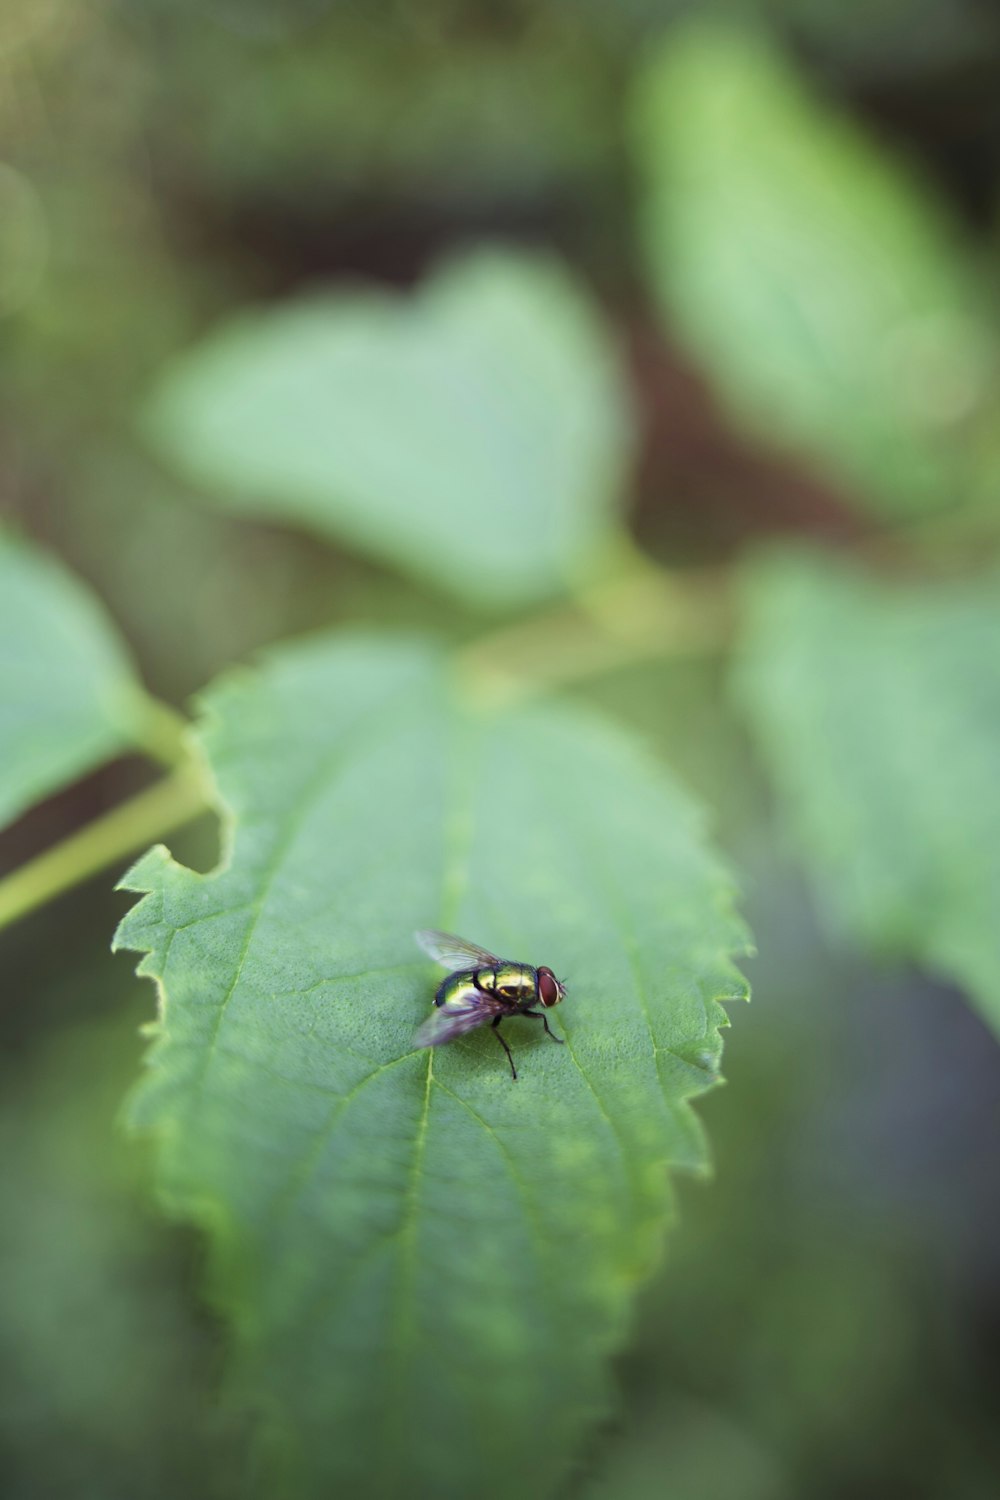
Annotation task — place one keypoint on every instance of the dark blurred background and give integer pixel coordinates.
(830, 1314)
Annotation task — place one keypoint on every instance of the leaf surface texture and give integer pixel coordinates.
(426, 1264)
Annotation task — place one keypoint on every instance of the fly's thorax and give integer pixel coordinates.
(515, 983)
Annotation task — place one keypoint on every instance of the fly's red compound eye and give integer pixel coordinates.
(549, 992)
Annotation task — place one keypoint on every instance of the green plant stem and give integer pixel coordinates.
(162, 732)
(640, 614)
(163, 807)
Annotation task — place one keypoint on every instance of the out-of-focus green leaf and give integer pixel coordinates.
(683, 1448)
(107, 1371)
(819, 287)
(69, 697)
(474, 434)
(877, 707)
(427, 1264)
(523, 122)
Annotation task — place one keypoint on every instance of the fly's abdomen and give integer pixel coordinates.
(457, 992)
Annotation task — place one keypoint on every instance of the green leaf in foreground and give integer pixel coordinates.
(877, 707)
(826, 295)
(69, 697)
(474, 434)
(426, 1265)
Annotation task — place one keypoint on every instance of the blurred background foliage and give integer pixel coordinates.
(831, 1314)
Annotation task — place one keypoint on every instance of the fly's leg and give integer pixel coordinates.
(536, 1015)
(496, 1026)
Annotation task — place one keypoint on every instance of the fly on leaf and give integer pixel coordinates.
(481, 987)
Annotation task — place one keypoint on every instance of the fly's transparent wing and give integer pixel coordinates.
(454, 952)
(449, 1021)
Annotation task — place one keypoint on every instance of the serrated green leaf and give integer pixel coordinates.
(877, 707)
(474, 434)
(69, 697)
(821, 289)
(425, 1263)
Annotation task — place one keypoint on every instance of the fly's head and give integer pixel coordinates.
(550, 989)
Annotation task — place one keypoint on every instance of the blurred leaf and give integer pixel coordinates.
(877, 707)
(474, 434)
(498, 127)
(686, 1449)
(417, 1253)
(106, 1373)
(69, 697)
(23, 243)
(822, 291)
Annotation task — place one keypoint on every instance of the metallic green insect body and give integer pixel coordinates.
(482, 988)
